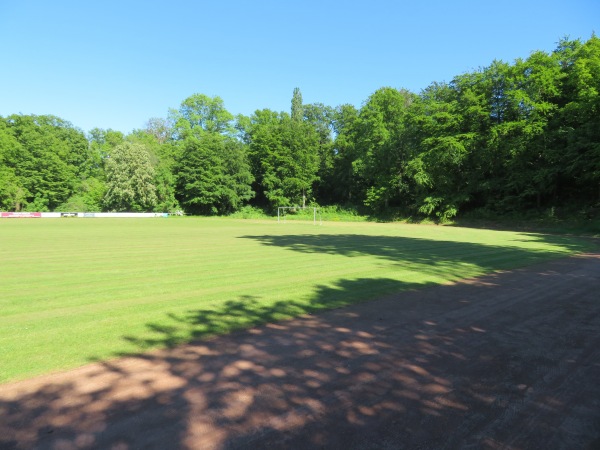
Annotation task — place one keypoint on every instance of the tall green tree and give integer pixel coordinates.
(212, 170)
(302, 144)
(163, 156)
(346, 184)
(438, 167)
(101, 144)
(284, 157)
(322, 118)
(297, 106)
(46, 165)
(130, 179)
(213, 175)
(12, 192)
(381, 147)
(579, 119)
(201, 113)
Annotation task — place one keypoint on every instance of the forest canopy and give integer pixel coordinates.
(506, 138)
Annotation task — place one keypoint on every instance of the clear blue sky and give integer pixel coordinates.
(115, 64)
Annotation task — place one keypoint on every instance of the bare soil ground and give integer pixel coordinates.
(510, 360)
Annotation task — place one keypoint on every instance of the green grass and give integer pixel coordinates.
(77, 290)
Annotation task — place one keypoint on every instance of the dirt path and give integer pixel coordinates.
(510, 360)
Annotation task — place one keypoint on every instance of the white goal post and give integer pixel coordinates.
(282, 212)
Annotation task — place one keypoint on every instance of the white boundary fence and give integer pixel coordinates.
(281, 213)
(51, 215)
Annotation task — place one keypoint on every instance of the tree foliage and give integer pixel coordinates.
(130, 179)
(212, 171)
(213, 175)
(201, 113)
(505, 138)
(284, 156)
(42, 158)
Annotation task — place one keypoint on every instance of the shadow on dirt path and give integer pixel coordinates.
(509, 360)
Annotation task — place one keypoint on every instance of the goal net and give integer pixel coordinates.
(283, 211)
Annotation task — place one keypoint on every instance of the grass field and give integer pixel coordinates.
(78, 290)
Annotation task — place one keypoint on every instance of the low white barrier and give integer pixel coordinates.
(47, 215)
(134, 215)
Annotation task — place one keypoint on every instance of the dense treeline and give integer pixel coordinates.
(504, 138)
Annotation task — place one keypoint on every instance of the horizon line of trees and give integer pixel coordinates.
(505, 138)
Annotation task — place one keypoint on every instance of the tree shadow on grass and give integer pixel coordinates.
(398, 246)
(248, 311)
(434, 368)
(429, 253)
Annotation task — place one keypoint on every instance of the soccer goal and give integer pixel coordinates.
(282, 212)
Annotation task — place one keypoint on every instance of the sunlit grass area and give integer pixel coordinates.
(77, 290)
